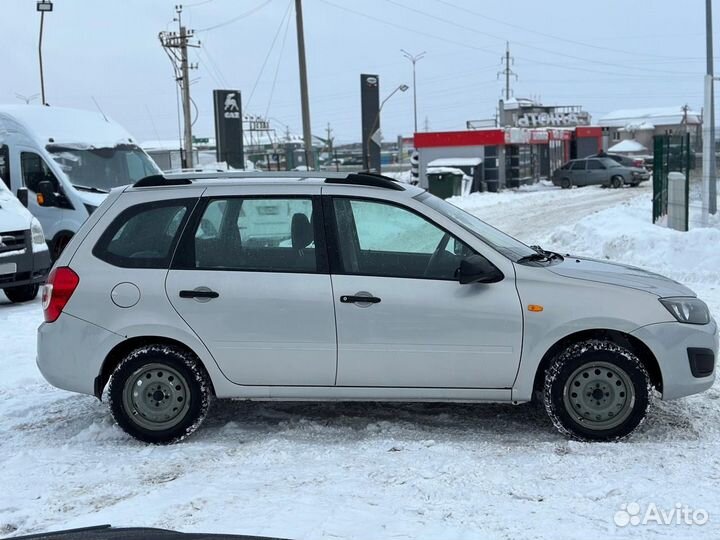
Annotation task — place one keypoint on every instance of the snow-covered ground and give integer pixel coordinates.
(378, 470)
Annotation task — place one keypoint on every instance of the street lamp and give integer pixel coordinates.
(414, 59)
(43, 6)
(401, 88)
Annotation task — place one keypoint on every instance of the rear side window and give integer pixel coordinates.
(144, 236)
(253, 234)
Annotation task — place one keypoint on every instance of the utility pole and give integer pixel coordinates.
(414, 59)
(176, 45)
(507, 60)
(304, 97)
(709, 172)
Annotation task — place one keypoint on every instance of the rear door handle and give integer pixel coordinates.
(357, 299)
(199, 293)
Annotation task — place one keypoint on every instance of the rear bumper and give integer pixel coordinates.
(30, 268)
(70, 352)
(670, 342)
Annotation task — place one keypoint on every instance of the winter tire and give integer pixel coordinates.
(565, 183)
(159, 394)
(23, 293)
(597, 390)
(617, 182)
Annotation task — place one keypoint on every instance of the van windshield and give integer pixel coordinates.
(498, 240)
(102, 169)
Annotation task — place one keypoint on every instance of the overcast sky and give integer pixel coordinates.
(604, 56)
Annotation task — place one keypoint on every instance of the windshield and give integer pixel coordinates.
(103, 169)
(501, 242)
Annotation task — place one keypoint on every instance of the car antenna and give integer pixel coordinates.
(99, 109)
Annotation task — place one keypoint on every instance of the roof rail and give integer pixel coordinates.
(157, 180)
(367, 179)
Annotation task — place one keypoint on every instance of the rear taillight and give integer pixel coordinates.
(60, 285)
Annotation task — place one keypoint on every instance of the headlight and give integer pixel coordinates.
(38, 238)
(687, 310)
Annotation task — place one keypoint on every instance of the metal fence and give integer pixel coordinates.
(672, 153)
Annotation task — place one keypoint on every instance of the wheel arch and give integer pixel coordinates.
(117, 353)
(64, 233)
(618, 337)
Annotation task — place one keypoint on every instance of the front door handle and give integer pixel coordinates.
(203, 292)
(359, 299)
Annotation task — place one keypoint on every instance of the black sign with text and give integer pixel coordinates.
(229, 128)
(370, 103)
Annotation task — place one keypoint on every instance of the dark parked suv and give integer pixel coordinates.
(602, 171)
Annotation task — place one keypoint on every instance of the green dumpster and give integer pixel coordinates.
(444, 184)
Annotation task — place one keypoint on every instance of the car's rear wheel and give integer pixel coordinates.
(159, 394)
(597, 390)
(23, 293)
(565, 183)
(58, 245)
(617, 182)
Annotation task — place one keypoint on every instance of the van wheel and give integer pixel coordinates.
(159, 394)
(617, 182)
(565, 183)
(596, 390)
(23, 293)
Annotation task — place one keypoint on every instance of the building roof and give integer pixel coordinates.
(659, 116)
(627, 146)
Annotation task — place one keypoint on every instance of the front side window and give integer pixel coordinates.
(5, 164)
(380, 239)
(578, 166)
(35, 170)
(254, 234)
(144, 236)
(595, 165)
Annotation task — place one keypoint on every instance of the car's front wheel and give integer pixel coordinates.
(159, 394)
(597, 390)
(23, 293)
(617, 182)
(565, 183)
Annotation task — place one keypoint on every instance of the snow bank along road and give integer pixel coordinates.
(378, 470)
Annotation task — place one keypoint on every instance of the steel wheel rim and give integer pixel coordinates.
(156, 397)
(599, 395)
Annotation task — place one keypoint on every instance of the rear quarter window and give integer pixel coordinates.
(144, 235)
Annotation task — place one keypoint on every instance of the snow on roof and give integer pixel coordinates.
(455, 162)
(64, 126)
(445, 170)
(627, 146)
(638, 126)
(660, 116)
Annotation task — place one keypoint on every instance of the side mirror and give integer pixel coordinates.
(46, 194)
(22, 195)
(477, 269)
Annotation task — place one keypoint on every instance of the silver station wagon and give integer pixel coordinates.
(291, 286)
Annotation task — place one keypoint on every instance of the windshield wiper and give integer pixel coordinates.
(539, 255)
(91, 189)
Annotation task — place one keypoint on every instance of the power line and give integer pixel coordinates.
(237, 18)
(277, 67)
(534, 47)
(267, 56)
(550, 36)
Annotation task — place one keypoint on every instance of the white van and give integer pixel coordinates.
(24, 257)
(69, 160)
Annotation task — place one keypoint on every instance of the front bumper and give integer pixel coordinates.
(30, 268)
(669, 342)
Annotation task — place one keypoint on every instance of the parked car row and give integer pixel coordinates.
(609, 171)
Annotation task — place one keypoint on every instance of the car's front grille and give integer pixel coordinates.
(12, 241)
